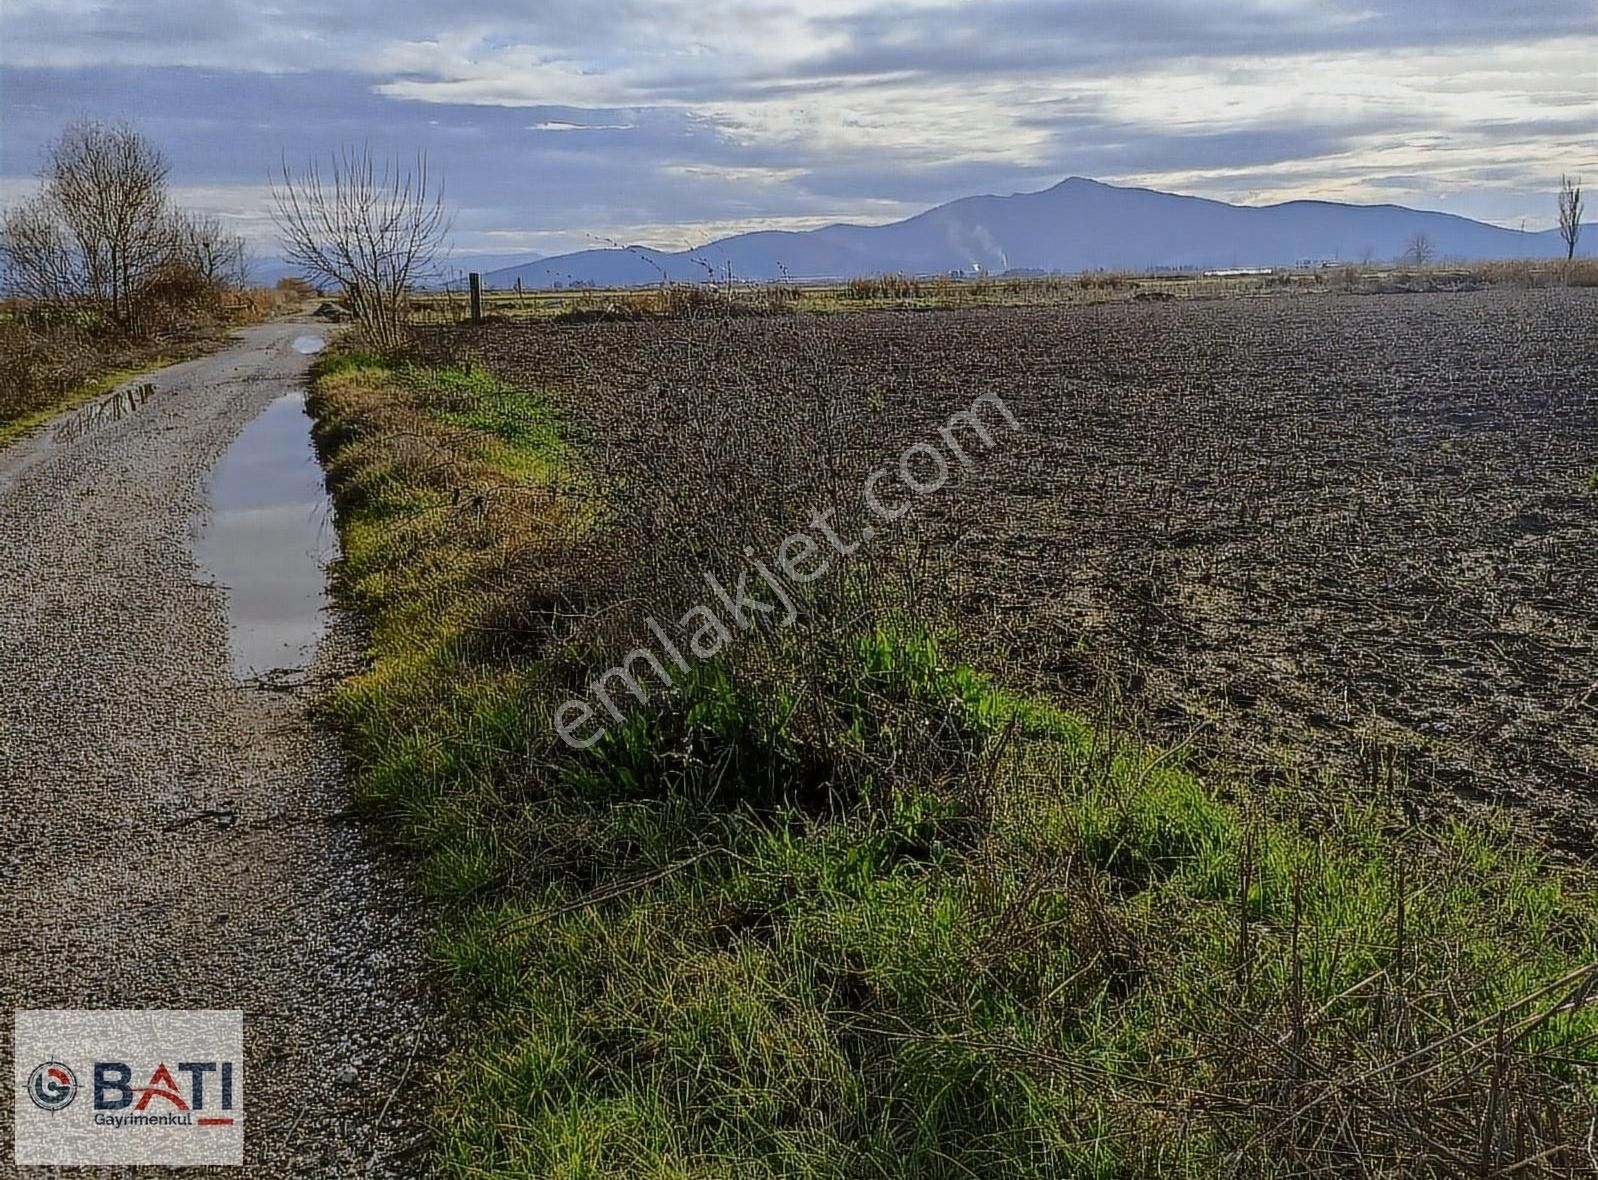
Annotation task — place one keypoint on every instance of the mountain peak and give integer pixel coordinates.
(1120, 228)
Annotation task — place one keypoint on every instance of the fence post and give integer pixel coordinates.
(476, 280)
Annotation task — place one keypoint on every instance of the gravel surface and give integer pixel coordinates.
(170, 837)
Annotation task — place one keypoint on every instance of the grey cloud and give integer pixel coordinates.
(228, 128)
(1020, 36)
(237, 128)
(999, 38)
(229, 120)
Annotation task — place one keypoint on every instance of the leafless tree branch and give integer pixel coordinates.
(1570, 209)
(375, 229)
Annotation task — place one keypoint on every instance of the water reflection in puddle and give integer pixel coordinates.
(267, 539)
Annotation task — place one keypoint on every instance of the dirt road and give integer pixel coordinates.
(170, 837)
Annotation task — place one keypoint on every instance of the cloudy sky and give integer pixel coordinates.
(561, 124)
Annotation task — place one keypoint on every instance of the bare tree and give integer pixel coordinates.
(41, 265)
(217, 256)
(374, 229)
(100, 230)
(1421, 249)
(100, 246)
(108, 185)
(1570, 213)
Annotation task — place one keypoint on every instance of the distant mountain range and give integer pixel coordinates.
(1077, 225)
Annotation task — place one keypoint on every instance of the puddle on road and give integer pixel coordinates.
(267, 539)
(112, 408)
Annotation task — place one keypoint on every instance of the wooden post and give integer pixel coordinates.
(476, 281)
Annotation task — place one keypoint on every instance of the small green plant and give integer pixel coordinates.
(1592, 480)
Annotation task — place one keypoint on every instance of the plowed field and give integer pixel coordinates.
(1344, 535)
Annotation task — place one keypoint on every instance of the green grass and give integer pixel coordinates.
(738, 938)
(1592, 480)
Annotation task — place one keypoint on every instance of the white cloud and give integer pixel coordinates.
(750, 78)
(1496, 126)
(558, 126)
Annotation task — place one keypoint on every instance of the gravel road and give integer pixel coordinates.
(170, 837)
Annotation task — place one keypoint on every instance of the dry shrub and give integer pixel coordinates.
(1033, 288)
(1582, 272)
(40, 360)
(681, 301)
(956, 291)
(896, 285)
(1524, 273)
(295, 287)
(47, 350)
(177, 299)
(253, 305)
(1105, 280)
(256, 304)
(1392, 1082)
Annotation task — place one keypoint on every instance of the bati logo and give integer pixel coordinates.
(52, 1086)
(114, 1090)
(146, 1088)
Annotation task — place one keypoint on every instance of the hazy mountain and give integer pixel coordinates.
(263, 272)
(452, 270)
(1076, 225)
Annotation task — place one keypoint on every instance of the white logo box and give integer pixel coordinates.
(129, 1087)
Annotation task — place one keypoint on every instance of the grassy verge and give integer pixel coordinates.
(885, 918)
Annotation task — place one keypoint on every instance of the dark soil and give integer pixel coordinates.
(1302, 536)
